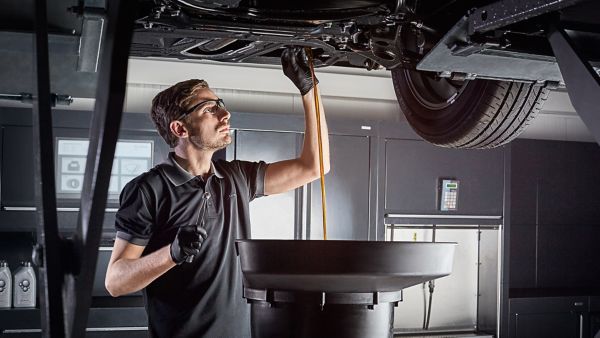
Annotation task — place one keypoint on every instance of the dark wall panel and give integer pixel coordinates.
(17, 166)
(568, 256)
(523, 246)
(555, 214)
(527, 162)
(413, 169)
(272, 217)
(555, 182)
(347, 189)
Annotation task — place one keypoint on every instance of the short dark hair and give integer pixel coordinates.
(170, 105)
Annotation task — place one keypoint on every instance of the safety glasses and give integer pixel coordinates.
(210, 106)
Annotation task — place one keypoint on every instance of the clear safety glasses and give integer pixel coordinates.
(210, 106)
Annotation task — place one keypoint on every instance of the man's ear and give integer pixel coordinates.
(178, 129)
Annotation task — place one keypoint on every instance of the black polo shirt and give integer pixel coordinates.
(202, 298)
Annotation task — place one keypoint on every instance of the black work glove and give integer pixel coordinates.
(295, 66)
(187, 243)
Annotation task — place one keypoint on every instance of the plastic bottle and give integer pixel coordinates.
(24, 287)
(5, 285)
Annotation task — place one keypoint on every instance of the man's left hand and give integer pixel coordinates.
(295, 66)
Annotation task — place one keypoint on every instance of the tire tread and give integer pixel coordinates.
(507, 109)
(493, 114)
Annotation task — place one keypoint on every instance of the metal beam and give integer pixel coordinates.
(67, 268)
(47, 253)
(505, 12)
(90, 42)
(495, 64)
(581, 80)
(104, 131)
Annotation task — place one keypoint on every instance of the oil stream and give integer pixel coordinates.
(319, 139)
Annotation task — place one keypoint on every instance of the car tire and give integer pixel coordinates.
(472, 114)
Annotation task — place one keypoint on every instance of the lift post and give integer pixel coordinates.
(47, 254)
(582, 81)
(67, 266)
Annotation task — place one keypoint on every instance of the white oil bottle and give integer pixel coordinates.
(5, 286)
(24, 287)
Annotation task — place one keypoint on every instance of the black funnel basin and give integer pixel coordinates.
(333, 288)
(342, 266)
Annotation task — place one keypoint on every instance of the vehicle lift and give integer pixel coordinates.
(580, 78)
(67, 266)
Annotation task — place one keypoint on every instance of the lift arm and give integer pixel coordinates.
(582, 81)
(67, 267)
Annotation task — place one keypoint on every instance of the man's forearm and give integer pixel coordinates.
(130, 275)
(310, 148)
(286, 175)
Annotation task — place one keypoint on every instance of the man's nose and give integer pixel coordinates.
(225, 114)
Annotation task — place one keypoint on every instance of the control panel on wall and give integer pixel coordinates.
(132, 157)
(448, 194)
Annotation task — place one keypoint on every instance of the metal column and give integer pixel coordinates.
(47, 253)
(582, 81)
(67, 267)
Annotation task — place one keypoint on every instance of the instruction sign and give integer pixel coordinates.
(132, 157)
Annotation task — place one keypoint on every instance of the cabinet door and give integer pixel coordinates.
(17, 167)
(546, 325)
(551, 186)
(414, 167)
(347, 190)
(272, 217)
(554, 214)
(559, 317)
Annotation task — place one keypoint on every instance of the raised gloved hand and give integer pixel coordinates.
(187, 243)
(295, 66)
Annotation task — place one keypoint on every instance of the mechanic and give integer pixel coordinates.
(178, 222)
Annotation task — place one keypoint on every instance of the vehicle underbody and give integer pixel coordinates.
(367, 34)
(466, 73)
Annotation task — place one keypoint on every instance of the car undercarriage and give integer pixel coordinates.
(368, 34)
(467, 74)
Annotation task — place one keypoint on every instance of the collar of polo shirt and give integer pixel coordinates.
(178, 176)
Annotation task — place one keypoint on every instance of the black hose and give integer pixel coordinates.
(431, 287)
(424, 306)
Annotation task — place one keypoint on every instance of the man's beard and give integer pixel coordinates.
(199, 142)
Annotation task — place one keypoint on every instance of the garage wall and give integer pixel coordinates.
(414, 167)
(550, 278)
(558, 165)
(555, 218)
(354, 184)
